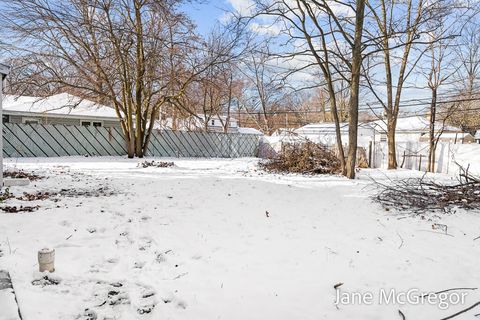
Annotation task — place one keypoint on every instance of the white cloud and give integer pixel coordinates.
(266, 29)
(243, 7)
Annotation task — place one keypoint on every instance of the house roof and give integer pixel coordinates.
(415, 124)
(249, 131)
(62, 104)
(327, 128)
(321, 128)
(455, 135)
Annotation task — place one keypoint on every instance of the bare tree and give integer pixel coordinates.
(136, 55)
(355, 88)
(325, 36)
(399, 29)
(467, 79)
(441, 70)
(264, 93)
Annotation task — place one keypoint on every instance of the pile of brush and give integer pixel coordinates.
(305, 158)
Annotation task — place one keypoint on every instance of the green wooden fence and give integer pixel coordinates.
(37, 140)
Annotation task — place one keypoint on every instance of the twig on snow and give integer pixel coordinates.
(462, 311)
(338, 285)
(448, 290)
(401, 244)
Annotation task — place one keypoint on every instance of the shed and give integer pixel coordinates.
(325, 133)
(62, 108)
(416, 129)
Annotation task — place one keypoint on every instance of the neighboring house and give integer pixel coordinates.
(411, 129)
(62, 108)
(199, 123)
(477, 136)
(416, 129)
(325, 133)
(214, 123)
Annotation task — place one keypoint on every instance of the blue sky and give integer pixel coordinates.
(207, 13)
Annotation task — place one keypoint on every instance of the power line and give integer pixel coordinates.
(279, 112)
(299, 122)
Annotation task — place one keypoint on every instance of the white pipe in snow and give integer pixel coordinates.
(46, 260)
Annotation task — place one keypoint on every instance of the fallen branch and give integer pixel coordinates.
(448, 290)
(419, 195)
(401, 244)
(462, 311)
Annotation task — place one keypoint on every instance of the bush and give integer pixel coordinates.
(305, 158)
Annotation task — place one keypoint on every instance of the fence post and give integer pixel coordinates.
(420, 164)
(4, 70)
(370, 154)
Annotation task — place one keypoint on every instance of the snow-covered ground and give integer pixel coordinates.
(218, 239)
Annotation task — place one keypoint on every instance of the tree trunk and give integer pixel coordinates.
(354, 90)
(392, 153)
(431, 140)
(130, 147)
(338, 135)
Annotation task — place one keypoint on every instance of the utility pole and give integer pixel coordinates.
(4, 71)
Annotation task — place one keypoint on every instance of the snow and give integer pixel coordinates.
(8, 305)
(246, 130)
(60, 104)
(468, 156)
(194, 241)
(412, 124)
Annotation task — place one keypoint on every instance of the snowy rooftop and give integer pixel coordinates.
(327, 128)
(60, 104)
(412, 124)
(249, 131)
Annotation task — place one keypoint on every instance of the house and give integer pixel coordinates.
(417, 129)
(200, 122)
(62, 108)
(215, 123)
(325, 133)
(409, 129)
(477, 136)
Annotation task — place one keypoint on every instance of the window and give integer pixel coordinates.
(30, 121)
(213, 122)
(87, 123)
(383, 137)
(5, 118)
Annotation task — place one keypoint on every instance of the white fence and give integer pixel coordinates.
(410, 155)
(414, 156)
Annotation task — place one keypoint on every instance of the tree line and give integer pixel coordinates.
(275, 64)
